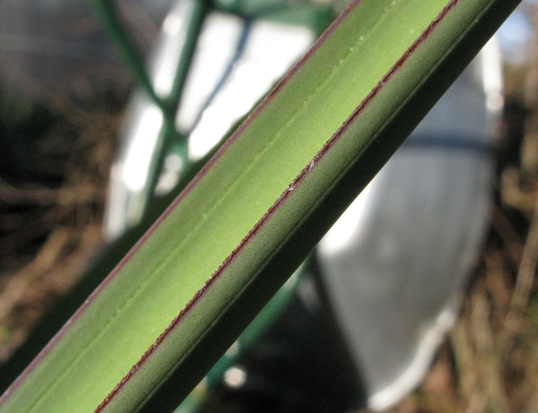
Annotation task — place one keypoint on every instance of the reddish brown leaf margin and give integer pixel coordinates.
(297, 181)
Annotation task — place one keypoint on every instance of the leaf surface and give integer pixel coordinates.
(185, 291)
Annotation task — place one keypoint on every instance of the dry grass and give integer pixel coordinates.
(51, 211)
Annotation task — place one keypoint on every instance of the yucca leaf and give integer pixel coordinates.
(185, 291)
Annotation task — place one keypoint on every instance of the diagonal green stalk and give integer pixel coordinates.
(182, 295)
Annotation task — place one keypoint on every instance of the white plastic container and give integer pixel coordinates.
(395, 264)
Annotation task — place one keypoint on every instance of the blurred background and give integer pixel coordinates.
(63, 93)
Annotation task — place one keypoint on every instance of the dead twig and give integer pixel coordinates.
(525, 278)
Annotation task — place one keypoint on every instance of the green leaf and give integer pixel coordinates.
(182, 295)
